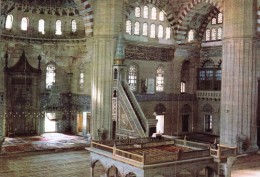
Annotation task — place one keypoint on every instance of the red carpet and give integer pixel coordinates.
(47, 141)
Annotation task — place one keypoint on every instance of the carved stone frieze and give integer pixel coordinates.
(165, 97)
(135, 52)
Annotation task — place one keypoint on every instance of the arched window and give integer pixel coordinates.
(213, 34)
(183, 86)
(50, 75)
(191, 36)
(137, 28)
(145, 29)
(159, 79)
(81, 80)
(152, 32)
(9, 21)
(128, 27)
(132, 77)
(160, 31)
(73, 26)
(137, 12)
(208, 35)
(58, 27)
(209, 76)
(146, 10)
(185, 76)
(214, 21)
(161, 16)
(219, 33)
(220, 18)
(41, 26)
(150, 21)
(153, 13)
(168, 33)
(24, 24)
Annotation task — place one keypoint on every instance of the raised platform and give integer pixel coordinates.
(43, 143)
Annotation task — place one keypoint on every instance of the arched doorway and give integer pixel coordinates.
(160, 111)
(98, 169)
(186, 114)
(113, 172)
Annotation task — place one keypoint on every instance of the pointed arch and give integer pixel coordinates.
(86, 10)
(162, 6)
(189, 12)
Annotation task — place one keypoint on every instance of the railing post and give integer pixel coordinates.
(219, 152)
(144, 157)
(114, 149)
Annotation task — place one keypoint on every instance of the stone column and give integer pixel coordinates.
(106, 29)
(238, 94)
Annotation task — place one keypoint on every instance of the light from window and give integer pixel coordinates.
(213, 34)
(208, 123)
(58, 27)
(152, 32)
(219, 33)
(146, 10)
(132, 77)
(220, 18)
(160, 31)
(183, 87)
(73, 26)
(208, 35)
(168, 33)
(50, 76)
(9, 21)
(81, 80)
(218, 75)
(41, 26)
(214, 21)
(128, 27)
(191, 36)
(161, 16)
(145, 29)
(153, 13)
(137, 12)
(137, 28)
(159, 79)
(24, 24)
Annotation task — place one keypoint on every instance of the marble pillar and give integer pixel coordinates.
(106, 30)
(238, 94)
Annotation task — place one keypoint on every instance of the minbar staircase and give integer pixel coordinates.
(132, 110)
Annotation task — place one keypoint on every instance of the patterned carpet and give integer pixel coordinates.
(45, 142)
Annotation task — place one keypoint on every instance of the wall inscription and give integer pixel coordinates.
(134, 52)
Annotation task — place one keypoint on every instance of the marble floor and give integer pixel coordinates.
(60, 164)
(76, 164)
